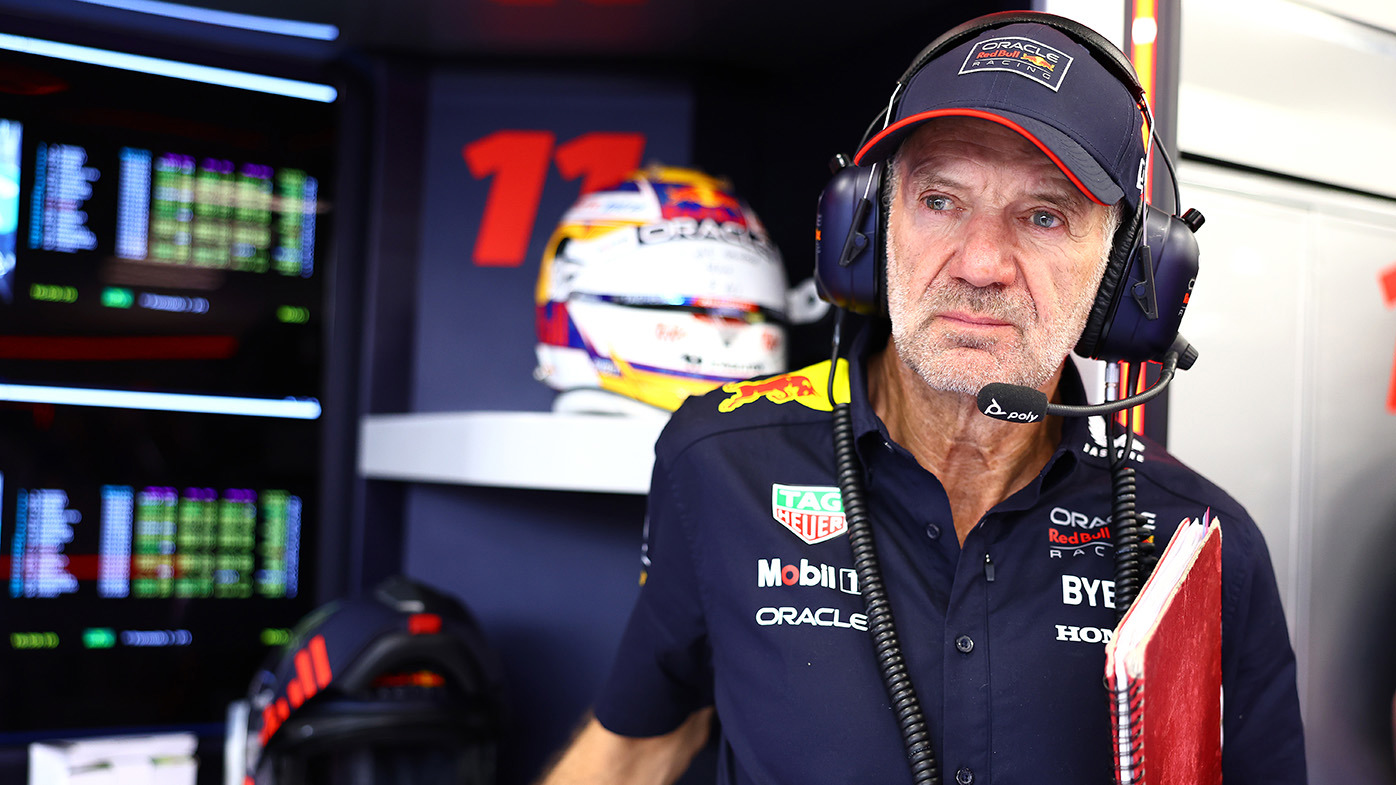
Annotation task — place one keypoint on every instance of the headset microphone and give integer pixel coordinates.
(1016, 403)
(1012, 402)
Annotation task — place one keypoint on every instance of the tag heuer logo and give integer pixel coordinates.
(814, 513)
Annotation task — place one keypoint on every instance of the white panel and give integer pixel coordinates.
(1102, 16)
(1247, 308)
(1286, 408)
(1379, 13)
(1354, 482)
(1288, 88)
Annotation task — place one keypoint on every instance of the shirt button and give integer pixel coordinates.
(933, 531)
(964, 776)
(966, 645)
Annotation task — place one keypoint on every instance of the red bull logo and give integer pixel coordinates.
(1058, 538)
(777, 389)
(1040, 62)
(699, 201)
(699, 196)
(808, 387)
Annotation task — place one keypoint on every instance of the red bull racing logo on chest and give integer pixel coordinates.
(777, 389)
(814, 513)
(809, 386)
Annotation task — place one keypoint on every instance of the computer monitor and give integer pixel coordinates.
(163, 323)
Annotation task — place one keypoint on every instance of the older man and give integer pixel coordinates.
(1006, 187)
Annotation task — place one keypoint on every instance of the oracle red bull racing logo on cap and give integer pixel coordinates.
(1039, 62)
(814, 513)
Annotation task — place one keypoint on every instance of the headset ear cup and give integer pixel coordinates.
(848, 254)
(1108, 293)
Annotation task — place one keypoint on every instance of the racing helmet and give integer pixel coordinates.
(655, 289)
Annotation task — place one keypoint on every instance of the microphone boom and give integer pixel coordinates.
(1016, 403)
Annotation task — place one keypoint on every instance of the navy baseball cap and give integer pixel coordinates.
(1042, 83)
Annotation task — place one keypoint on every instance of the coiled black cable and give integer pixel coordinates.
(1132, 551)
(881, 627)
(1129, 540)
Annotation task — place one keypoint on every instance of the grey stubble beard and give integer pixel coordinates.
(1025, 359)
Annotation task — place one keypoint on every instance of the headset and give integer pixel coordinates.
(1153, 258)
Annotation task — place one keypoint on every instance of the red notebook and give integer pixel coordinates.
(1163, 667)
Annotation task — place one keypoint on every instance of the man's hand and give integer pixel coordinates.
(597, 756)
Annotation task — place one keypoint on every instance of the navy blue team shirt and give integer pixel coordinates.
(750, 603)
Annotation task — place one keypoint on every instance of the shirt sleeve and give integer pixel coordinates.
(663, 669)
(1263, 736)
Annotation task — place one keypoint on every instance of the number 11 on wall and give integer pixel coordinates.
(517, 163)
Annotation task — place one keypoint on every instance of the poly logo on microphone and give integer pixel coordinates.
(998, 412)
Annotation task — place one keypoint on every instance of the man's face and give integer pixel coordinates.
(993, 257)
